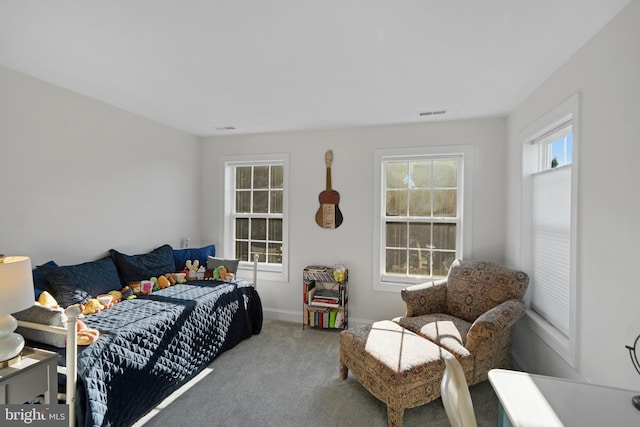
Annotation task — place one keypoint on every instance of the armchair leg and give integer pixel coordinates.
(344, 371)
(395, 416)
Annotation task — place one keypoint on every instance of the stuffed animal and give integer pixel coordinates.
(85, 336)
(163, 282)
(220, 273)
(200, 273)
(117, 296)
(47, 300)
(192, 266)
(126, 292)
(92, 306)
(172, 277)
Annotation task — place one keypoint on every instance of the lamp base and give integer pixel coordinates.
(7, 363)
(636, 401)
(11, 344)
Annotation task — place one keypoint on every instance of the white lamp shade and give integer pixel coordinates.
(16, 284)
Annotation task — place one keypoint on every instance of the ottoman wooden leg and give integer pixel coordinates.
(395, 416)
(344, 371)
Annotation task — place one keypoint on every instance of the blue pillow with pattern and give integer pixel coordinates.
(133, 268)
(74, 284)
(180, 256)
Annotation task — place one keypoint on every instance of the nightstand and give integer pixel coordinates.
(33, 376)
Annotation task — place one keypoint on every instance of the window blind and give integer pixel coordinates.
(552, 246)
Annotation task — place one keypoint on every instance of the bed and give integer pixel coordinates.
(150, 346)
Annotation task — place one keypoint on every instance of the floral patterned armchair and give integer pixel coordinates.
(471, 314)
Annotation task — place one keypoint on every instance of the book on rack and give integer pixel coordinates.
(332, 319)
(310, 295)
(326, 297)
(324, 304)
(339, 320)
(307, 286)
(328, 293)
(321, 299)
(316, 269)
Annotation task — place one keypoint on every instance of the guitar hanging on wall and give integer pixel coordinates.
(328, 214)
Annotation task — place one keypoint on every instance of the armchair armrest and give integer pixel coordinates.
(494, 323)
(425, 298)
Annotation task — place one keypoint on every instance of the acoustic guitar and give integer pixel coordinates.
(328, 214)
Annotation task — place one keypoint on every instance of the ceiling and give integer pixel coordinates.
(281, 65)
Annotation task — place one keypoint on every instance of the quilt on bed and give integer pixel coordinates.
(150, 346)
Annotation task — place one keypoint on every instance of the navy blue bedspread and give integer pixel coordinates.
(150, 346)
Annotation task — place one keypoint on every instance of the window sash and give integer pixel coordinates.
(423, 255)
(264, 246)
(268, 268)
(544, 144)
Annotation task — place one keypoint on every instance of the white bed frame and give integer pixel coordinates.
(71, 369)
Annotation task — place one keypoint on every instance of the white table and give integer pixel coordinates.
(528, 400)
(35, 374)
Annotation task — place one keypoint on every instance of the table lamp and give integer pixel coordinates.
(633, 352)
(16, 294)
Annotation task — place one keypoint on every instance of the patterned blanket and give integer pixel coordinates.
(150, 346)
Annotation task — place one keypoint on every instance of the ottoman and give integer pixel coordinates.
(397, 366)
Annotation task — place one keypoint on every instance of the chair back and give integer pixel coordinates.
(455, 394)
(475, 287)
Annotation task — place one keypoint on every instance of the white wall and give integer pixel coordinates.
(78, 177)
(606, 71)
(352, 176)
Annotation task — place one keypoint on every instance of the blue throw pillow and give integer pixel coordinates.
(133, 268)
(40, 283)
(74, 284)
(180, 256)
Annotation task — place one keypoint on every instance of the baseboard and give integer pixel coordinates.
(284, 315)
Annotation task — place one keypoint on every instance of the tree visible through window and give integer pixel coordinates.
(258, 213)
(421, 216)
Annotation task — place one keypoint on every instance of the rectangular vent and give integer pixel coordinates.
(432, 113)
(226, 128)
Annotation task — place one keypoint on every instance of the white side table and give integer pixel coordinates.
(528, 400)
(34, 375)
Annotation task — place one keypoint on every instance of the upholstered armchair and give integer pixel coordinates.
(471, 313)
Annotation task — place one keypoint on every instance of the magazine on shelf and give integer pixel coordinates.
(316, 269)
(328, 293)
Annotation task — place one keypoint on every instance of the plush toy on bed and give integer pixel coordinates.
(192, 267)
(85, 335)
(47, 300)
(92, 306)
(220, 273)
(164, 282)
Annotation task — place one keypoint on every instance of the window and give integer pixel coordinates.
(419, 220)
(549, 222)
(255, 213)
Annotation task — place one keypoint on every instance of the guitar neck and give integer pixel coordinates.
(328, 177)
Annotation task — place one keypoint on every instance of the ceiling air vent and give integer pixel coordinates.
(226, 128)
(436, 112)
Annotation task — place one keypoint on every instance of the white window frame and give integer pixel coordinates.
(268, 272)
(387, 283)
(567, 111)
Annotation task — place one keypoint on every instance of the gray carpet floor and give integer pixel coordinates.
(289, 377)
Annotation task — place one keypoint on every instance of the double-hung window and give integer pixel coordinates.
(255, 213)
(418, 225)
(549, 225)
